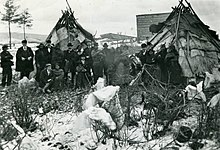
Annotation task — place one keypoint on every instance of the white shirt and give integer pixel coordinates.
(25, 48)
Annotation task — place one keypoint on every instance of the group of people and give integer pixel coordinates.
(53, 66)
(166, 60)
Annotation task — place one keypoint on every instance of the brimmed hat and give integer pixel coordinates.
(48, 41)
(143, 45)
(105, 45)
(4, 46)
(40, 45)
(69, 44)
(24, 41)
(47, 65)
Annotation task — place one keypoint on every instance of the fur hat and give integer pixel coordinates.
(143, 45)
(40, 45)
(48, 41)
(105, 45)
(69, 44)
(24, 41)
(4, 46)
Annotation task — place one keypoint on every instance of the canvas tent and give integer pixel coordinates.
(67, 29)
(198, 46)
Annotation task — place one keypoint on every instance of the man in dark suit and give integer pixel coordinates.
(40, 60)
(47, 79)
(6, 63)
(24, 60)
(87, 53)
(72, 59)
(48, 51)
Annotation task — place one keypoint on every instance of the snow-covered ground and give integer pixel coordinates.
(61, 131)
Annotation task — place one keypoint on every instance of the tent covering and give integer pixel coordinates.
(66, 30)
(198, 46)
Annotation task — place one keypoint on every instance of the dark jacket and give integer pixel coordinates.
(24, 65)
(57, 57)
(45, 77)
(40, 58)
(6, 59)
(109, 56)
(88, 55)
(73, 59)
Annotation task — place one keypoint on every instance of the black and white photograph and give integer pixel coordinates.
(109, 75)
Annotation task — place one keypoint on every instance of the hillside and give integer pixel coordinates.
(18, 37)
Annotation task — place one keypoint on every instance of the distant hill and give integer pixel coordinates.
(18, 37)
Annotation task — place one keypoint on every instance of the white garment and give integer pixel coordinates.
(214, 101)
(106, 93)
(209, 78)
(25, 48)
(195, 92)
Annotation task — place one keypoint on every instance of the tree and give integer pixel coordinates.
(10, 15)
(25, 20)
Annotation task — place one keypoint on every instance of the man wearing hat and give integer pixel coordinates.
(48, 51)
(24, 60)
(71, 60)
(6, 63)
(98, 62)
(82, 79)
(47, 79)
(109, 56)
(87, 53)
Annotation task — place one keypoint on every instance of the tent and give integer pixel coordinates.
(67, 29)
(198, 46)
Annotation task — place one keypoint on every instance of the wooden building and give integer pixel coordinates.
(144, 21)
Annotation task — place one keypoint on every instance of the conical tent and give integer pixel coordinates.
(198, 46)
(66, 30)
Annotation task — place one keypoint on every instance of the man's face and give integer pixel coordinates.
(5, 49)
(144, 48)
(48, 44)
(96, 47)
(70, 47)
(24, 44)
(57, 66)
(49, 68)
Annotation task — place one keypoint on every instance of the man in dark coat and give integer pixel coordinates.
(24, 60)
(71, 61)
(87, 53)
(6, 63)
(48, 50)
(47, 79)
(109, 57)
(40, 60)
(82, 80)
(174, 68)
(57, 57)
(98, 63)
(160, 60)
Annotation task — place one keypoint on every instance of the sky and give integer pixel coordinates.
(105, 16)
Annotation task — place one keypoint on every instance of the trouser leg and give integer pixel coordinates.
(4, 76)
(9, 76)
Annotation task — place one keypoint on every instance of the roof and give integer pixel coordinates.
(153, 14)
(116, 37)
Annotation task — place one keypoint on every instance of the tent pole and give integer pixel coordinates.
(177, 28)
